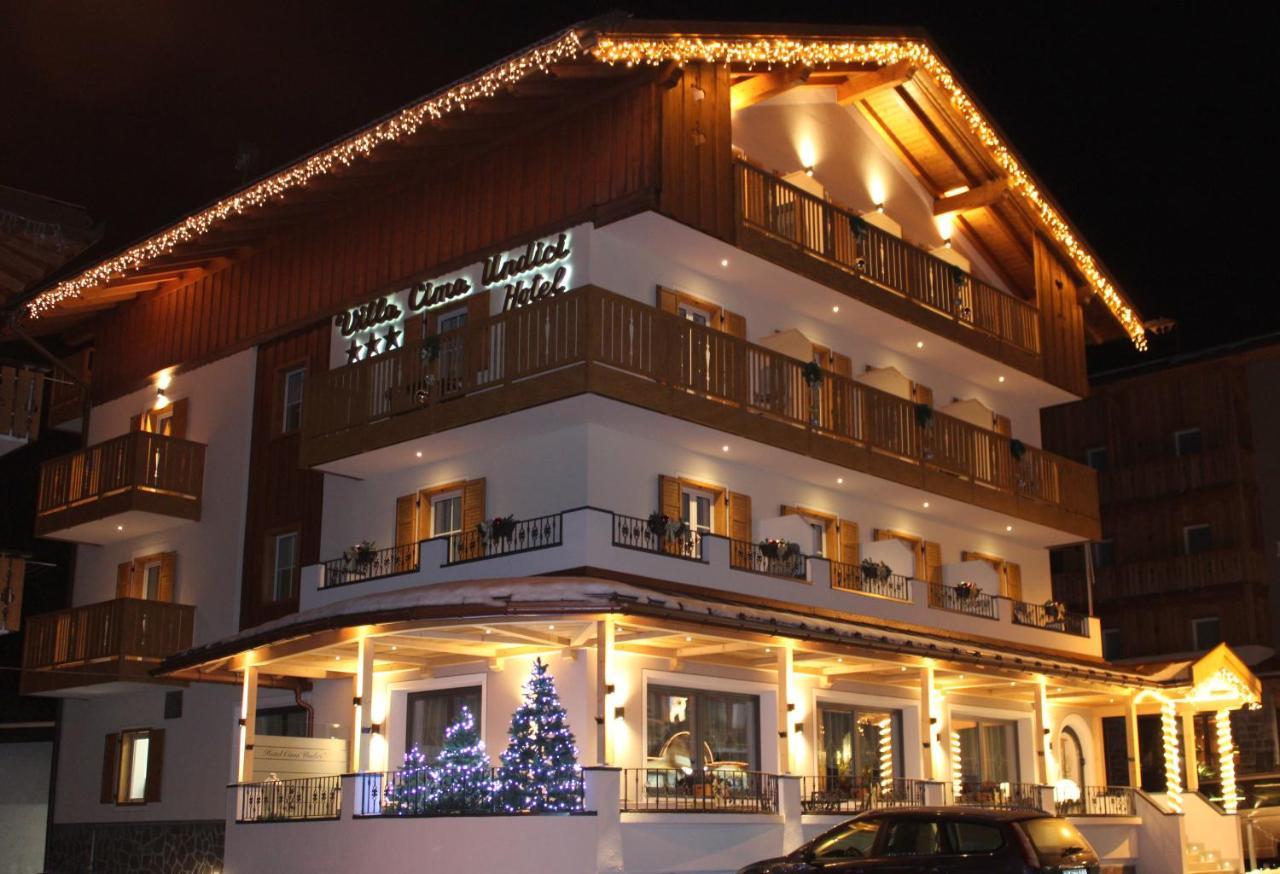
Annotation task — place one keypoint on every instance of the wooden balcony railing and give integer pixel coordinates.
(1175, 574)
(594, 341)
(135, 471)
(1176, 475)
(826, 231)
(97, 643)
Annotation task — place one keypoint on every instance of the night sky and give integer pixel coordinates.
(1145, 128)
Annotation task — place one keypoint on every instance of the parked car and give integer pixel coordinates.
(1260, 816)
(941, 840)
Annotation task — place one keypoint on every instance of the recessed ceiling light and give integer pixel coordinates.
(839, 480)
(919, 344)
(551, 628)
(394, 648)
(337, 658)
(1008, 528)
(119, 527)
(688, 637)
(724, 262)
(724, 448)
(835, 309)
(418, 453)
(961, 677)
(766, 649)
(926, 505)
(1001, 379)
(488, 631)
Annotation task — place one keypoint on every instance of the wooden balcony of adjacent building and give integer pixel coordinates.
(591, 341)
(1179, 573)
(114, 642)
(1176, 475)
(135, 484)
(21, 398)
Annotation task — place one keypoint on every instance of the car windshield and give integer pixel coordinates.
(1054, 837)
(853, 841)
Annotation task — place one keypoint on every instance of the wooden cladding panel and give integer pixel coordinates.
(554, 172)
(1061, 322)
(282, 494)
(697, 150)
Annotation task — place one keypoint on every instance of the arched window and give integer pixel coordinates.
(1071, 756)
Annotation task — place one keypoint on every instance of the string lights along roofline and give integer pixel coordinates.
(401, 124)
(814, 53)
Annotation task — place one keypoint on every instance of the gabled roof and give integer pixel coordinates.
(942, 133)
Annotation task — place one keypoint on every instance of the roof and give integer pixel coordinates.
(963, 144)
(38, 235)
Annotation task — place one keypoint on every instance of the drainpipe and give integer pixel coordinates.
(311, 711)
(1088, 576)
(12, 325)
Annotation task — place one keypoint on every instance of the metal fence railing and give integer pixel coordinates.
(972, 602)
(358, 566)
(995, 796)
(708, 790)
(852, 578)
(1052, 618)
(290, 800)
(633, 532)
(526, 535)
(762, 558)
(827, 794)
(1098, 801)
(407, 793)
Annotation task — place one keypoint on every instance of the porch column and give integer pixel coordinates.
(1040, 725)
(927, 716)
(604, 715)
(1131, 732)
(785, 667)
(248, 719)
(1226, 760)
(361, 705)
(1189, 747)
(1172, 765)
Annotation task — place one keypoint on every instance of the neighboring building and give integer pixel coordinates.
(361, 450)
(1189, 479)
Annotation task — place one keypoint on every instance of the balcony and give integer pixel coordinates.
(117, 641)
(611, 543)
(1176, 475)
(594, 341)
(21, 394)
(131, 485)
(1179, 573)
(816, 238)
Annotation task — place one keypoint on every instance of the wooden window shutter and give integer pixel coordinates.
(668, 301)
(406, 519)
(921, 394)
(472, 504)
(669, 496)
(414, 330)
(884, 534)
(110, 754)
(847, 535)
(124, 580)
(841, 364)
(168, 564)
(733, 324)
(431, 323)
(739, 517)
(1002, 425)
(821, 355)
(788, 510)
(1013, 580)
(155, 765)
(178, 424)
(932, 553)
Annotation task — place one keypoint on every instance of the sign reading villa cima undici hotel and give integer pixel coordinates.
(513, 278)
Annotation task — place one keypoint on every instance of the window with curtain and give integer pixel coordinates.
(428, 714)
(988, 752)
(691, 730)
(855, 744)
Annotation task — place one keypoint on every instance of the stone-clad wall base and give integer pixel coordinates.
(136, 848)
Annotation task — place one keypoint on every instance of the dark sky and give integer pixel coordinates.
(1144, 127)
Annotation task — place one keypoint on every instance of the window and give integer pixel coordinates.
(452, 320)
(1104, 554)
(151, 581)
(690, 730)
(446, 514)
(428, 714)
(283, 556)
(817, 536)
(136, 766)
(1112, 646)
(850, 841)
(988, 753)
(1206, 632)
(281, 722)
(162, 422)
(853, 744)
(693, 314)
(1097, 457)
(1197, 539)
(974, 837)
(1186, 441)
(291, 407)
(695, 509)
(913, 837)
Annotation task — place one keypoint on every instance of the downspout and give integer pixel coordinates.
(12, 320)
(311, 711)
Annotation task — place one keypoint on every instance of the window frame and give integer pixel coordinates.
(1184, 432)
(1106, 457)
(689, 494)
(1186, 538)
(284, 375)
(272, 569)
(126, 746)
(444, 496)
(1114, 634)
(1197, 623)
(697, 739)
(855, 711)
(452, 693)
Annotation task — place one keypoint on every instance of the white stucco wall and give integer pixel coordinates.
(24, 805)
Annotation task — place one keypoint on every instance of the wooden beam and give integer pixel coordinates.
(855, 88)
(765, 85)
(975, 198)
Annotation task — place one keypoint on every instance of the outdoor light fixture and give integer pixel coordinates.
(375, 728)
(799, 728)
(808, 171)
(619, 712)
(919, 344)
(790, 707)
(880, 208)
(724, 262)
(357, 701)
(161, 400)
(947, 243)
(609, 688)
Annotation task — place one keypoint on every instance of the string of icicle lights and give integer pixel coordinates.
(818, 53)
(403, 124)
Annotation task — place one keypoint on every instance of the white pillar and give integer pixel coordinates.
(361, 705)
(602, 794)
(785, 666)
(928, 731)
(1189, 749)
(1131, 733)
(1044, 747)
(791, 809)
(604, 712)
(248, 719)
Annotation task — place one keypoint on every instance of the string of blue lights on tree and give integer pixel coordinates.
(540, 771)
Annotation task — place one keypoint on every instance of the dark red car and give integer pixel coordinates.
(941, 840)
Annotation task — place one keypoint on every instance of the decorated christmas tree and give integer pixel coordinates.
(461, 779)
(539, 770)
(407, 794)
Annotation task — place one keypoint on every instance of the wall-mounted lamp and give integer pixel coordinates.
(946, 243)
(161, 400)
(619, 712)
(375, 728)
(790, 707)
(799, 728)
(808, 171)
(357, 701)
(880, 207)
(608, 688)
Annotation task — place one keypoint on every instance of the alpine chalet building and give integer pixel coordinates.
(702, 366)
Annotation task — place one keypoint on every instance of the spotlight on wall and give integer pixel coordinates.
(608, 688)
(799, 727)
(162, 400)
(808, 171)
(880, 207)
(619, 712)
